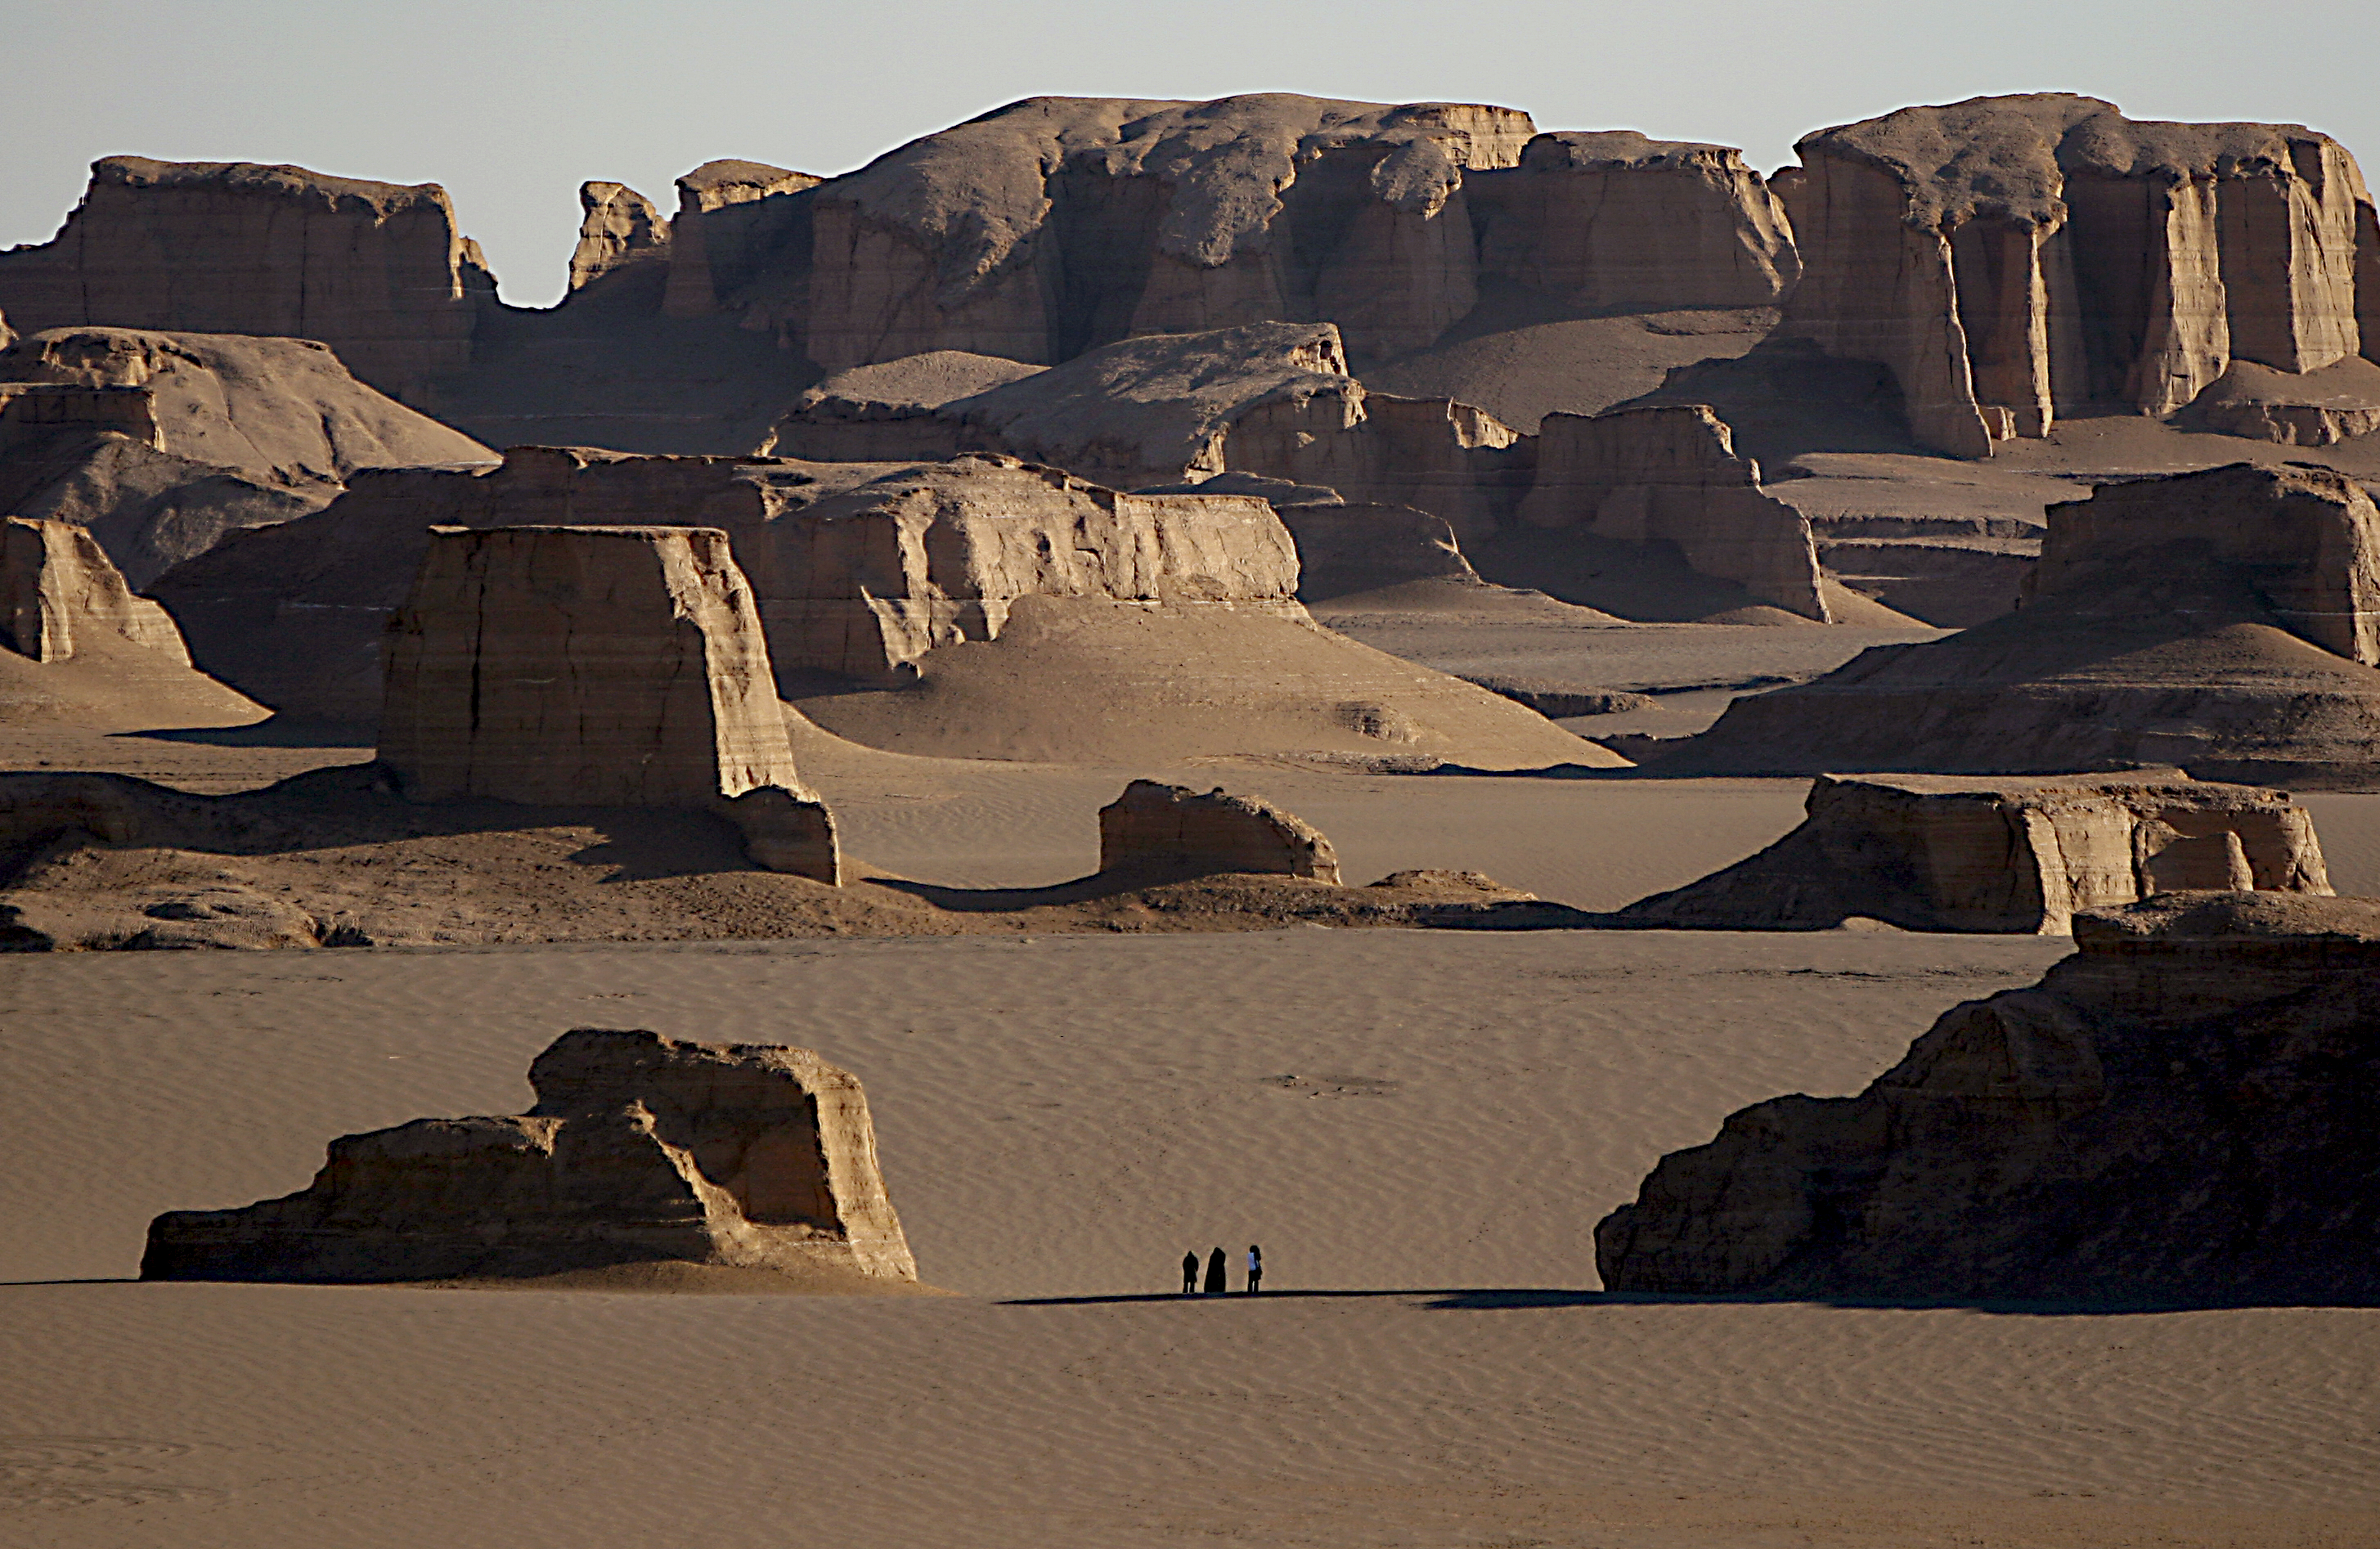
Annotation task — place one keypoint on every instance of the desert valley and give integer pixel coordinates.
(1731, 820)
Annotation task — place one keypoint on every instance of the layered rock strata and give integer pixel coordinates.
(640, 1148)
(2220, 621)
(732, 216)
(2177, 1113)
(2011, 258)
(376, 271)
(605, 666)
(1174, 829)
(160, 443)
(56, 586)
(1931, 852)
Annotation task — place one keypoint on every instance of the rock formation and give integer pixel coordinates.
(1670, 475)
(1931, 853)
(891, 412)
(56, 585)
(2177, 1113)
(640, 1148)
(375, 271)
(1172, 829)
(731, 218)
(2313, 408)
(607, 666)
(620, 227)
(2221, 621)
(160, 443)
(2013, 258)
(1345, 549)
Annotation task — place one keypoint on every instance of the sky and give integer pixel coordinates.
(512, 104)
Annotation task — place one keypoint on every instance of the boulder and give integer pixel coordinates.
(1172, 829)
(377, 271)
(1939, 854)
(607, 666)
(2010, 258)
(620, 227)
(2220, 621)
(1670, 475)
(2179, 1112)
(161, 443)
(640, 1148)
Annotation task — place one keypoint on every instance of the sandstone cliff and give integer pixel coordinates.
(376, 271)
(160, 443)
(1930, 853)
(2220, 621)
(56, 585)
(730, 219)
(620, 227)
(2178, 1113)
(2013, 258)
(608, 665)
(640, 1148)
(1175, 830)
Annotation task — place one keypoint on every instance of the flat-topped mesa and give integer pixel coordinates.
(640, 1149)
(57, 587)
(730, 219)
(376, 271)
(619, 226)
(1615, 221)
(1936, 853)
(610, 666)
(1175, 830)
(2178, 1113)
(2013, 258)
(1057, 224)
(1671, 474)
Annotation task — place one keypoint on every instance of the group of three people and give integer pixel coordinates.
(1218, 1272)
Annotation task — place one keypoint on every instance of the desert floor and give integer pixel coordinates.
(1421, 1127)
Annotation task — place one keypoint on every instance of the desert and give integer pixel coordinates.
(1221, 815)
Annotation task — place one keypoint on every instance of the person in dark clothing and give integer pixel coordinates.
(1190, 1273)
(1256, 1269)
(1217, 1273)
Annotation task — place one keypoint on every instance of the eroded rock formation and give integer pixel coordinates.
(620, 227)
(56, 586)
(2013, 258)
(1345, 549)
(376, 271)
(2221, 621)
(640, 1148)
(1172, 829)
(731, 218)
(2177, 1113)
(609, 666)
(1934, 853)
(160, 443)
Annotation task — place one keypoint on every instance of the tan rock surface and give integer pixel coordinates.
(1933, 852)
(2172, 1115)
(640, 1148)
(1158, 828)
(2313, 408)
(620, 227)
(376, 271)
(729, 218)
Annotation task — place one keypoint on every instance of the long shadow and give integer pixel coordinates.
(1528, 1298)
(274, 731)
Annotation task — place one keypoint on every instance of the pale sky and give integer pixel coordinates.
(513, 103)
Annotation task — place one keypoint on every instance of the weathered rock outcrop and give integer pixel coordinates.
(621, 226)
(1172, 829)
(640, 1148)
(2313, 408)
(856, 569)
(1931, 853)
(375, 271)
(1614, 222)
(890, 412)
(160, 443)
(1670, 475)
(732, 216)
(1343, 549)
(56, 585)
(2178, 1113)
(2221, 621)
(2010, 258)
(607, 666)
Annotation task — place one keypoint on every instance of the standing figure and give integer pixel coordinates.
(1256, 1269)
(1218, 1272)
(1190, 1272)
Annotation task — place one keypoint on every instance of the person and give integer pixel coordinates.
(1218, 1272)
(1190, 1272)
(1256, 1269)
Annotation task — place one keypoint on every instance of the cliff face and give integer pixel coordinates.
(2009, 257)
(376, 271)
(2179, 1112)
(640, 1148)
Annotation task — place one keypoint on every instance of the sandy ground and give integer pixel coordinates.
(1421, 1129)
